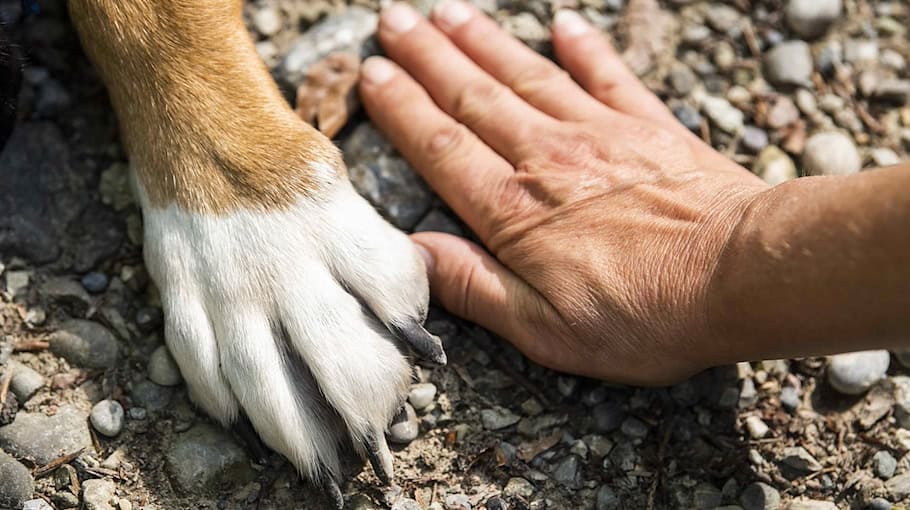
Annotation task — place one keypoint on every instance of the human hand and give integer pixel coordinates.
(603, 217)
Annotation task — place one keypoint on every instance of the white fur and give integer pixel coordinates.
(228, 281)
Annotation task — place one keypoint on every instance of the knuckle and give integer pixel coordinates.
(476, 99)
(446, 142)
(538, 79)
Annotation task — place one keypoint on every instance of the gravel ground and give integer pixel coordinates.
(787, 88)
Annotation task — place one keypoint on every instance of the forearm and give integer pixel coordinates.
(818, 265)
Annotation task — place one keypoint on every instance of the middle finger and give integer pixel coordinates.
(462, 89)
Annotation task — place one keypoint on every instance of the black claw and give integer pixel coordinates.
(333, 492)
(380, 458)
(244, 429)
(427, 345)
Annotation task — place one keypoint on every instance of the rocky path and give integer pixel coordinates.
(95, 415)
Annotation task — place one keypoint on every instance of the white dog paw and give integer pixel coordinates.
(295, 318)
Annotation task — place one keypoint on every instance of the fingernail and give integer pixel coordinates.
(570, 23)
(377, 70)
(452, 13)
(428, 260)
(400, 18)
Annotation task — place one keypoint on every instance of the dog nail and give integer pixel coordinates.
(380, 457)
(426, 345)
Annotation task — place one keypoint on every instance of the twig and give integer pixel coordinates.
(54, 464)
(4, 383)
(31, 346)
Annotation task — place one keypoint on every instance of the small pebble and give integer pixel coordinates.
(36, 504)
(634, 428)
(421, 395)
(789, 64)
(107, 417)
(85, 344)
(899, 486)
(884, 464)
(811, 18)
(789, 398)
(498, 418)
(810, 504)
(682, 79)
(608, 416)
(148, 318)
(754, 139)
(405, 427)
(774, 166)
(707, 496)
(782, 113)
(723, 114)
(566, 472)
(760, 496)
(518, 488)
(26, 381)
(607, 499)
(162, 369)
(801, 460)
(831, 153)
(458, 502)
(883, 156)
(138, 413)
(854, 373)
(689, 117)
(16, 483)
(97, 494)
(267, 20)
(880, 504)
(756, 427)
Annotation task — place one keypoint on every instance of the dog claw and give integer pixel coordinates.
(333, 492)
(427, 345)
(380, 457)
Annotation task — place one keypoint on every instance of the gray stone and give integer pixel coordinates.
(44, 438)
(65, 499)
(723, 114)
(607, 499)
(722, 17)
(774, 166)
(498, 418)
(893, 91)
(267, 20)
(810, 504)
(688, 116)
(66, 293)
(782, 113)
(458, 502)
(16, 483)
(151, 396)
(811, 18)
(634, 428)
(162, 369)
(608, 416)
(880, 504)
(854, 373)
(861, 51)
(748, 395)
(385, 178)
(831, 153)
(789, 398)
(756, 427)
(883, 156)
(404, 428)
(85, 344)
(107, 417)
(36, 504)
(97, 494)
(518, 488)
(421, 395)
(17, 282)
(348, 31)
(884, 464)
(406, 504)
(26, 382)
(754, 139)
(760, 496)
(204, 456)
(682, 79)
(789, 64)
(901, 386)
(899, 486)
(566, 471)
(707, 496)
(95, 282)
(801, 460)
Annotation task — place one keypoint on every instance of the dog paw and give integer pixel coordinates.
(297, 318)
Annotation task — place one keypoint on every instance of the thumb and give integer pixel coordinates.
(470, 283)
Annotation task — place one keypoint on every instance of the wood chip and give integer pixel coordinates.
(31, 346)
(328, 95)
(527, 451)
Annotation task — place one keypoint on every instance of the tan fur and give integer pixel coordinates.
(203, 122)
